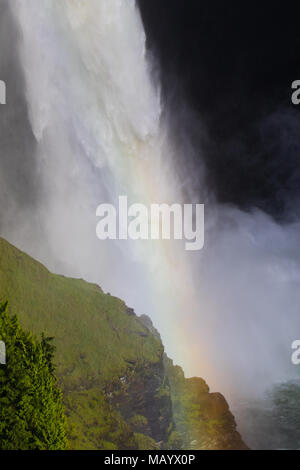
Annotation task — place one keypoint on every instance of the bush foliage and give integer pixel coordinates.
(31, 410)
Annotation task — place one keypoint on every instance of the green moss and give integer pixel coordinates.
(98, 341)
(95, 336)
(138, 422)
(175, 441)
(145, 442)
(95, 424)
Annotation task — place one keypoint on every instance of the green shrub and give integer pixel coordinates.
(31, 410)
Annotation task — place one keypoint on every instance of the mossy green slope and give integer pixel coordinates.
(99, 343)
(96, 335)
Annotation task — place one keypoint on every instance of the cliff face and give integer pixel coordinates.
(147, 396)
(202, 419)
(120, 390)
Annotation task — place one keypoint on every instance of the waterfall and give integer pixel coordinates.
(97, 118)
(101, 130)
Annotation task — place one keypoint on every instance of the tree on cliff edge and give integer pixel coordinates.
(31, 410)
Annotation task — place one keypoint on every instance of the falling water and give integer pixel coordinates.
(229, 313)
(96, 115)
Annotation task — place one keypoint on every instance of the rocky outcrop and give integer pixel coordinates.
(199, 419)
(146, 398)
(202, 419)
